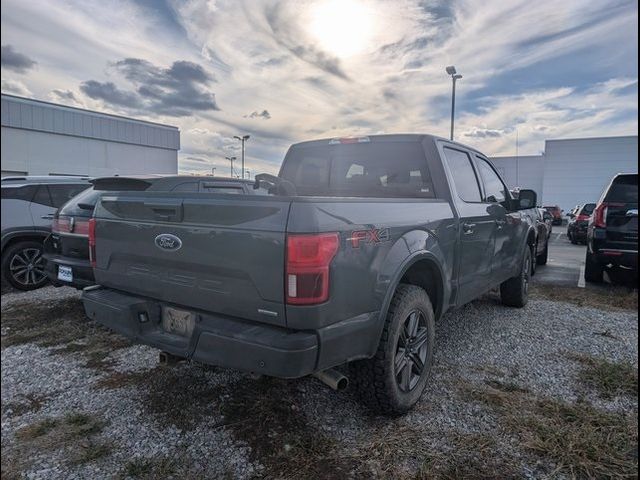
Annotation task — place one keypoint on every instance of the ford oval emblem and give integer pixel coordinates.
(166, 241)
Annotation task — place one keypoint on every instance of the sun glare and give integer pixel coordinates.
(342, 27)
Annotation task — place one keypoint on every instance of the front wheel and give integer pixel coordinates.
(23, 265)
(394, 379)
(515, 291)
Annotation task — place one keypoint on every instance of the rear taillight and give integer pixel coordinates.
(599, 216)
(92, 241)
(307, 272)
(70, 225)
(582, 218)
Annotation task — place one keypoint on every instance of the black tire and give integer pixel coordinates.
(23, 266)
(515, 291)
(543, 257)
(401, 351)
(593, 272)
(573, 239)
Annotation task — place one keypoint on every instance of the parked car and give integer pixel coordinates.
(547, 219)
(28, 205)
(362, 244)
(578, 223)
(542, 239)
(556, 213)
(67, 248)
(612, 235)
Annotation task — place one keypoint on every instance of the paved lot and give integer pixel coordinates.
(565, 261)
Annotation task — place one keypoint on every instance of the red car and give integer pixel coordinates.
(556, 213)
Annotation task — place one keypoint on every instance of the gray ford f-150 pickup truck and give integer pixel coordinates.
(359, 249)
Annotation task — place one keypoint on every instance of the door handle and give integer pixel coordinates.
(48, 216)
(467, 228)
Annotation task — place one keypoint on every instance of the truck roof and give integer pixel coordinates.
(387, 137)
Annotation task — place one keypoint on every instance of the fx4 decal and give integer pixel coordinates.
(374, 236)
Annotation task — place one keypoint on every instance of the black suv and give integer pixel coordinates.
(612, 235)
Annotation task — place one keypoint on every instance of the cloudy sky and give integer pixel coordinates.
(286, 71)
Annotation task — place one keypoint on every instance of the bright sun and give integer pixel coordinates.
(342, 27)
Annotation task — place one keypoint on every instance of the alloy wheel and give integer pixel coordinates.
(27, 267)
(411, 351)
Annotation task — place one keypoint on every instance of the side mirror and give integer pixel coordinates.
(527, 199)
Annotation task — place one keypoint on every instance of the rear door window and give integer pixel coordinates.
(87, 199)
(464, 176)
(19, 193)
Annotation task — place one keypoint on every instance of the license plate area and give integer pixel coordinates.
(178, 322)
(65, 274)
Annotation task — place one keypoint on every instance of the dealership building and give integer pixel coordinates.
(571, 171)
(41, 138)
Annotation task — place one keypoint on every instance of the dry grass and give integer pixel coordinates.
(582, 441)
(149, 468)
(30, 403)
(60, 324)
(609, 379)
(76, 434)
(613, 297)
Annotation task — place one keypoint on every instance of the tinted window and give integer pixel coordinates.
(588, 209)
(19, 193)
(464, 176)
(494, 189)
(236, 190)
(42, 196)
(371, 169)
(88, 197)
(62, 193)
(624, 189)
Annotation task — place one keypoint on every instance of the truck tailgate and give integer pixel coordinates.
(217, 253)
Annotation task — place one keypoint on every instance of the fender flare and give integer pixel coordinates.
(408, 262)
(10, 236)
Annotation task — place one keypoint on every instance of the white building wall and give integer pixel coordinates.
(523, 171)
(42, 153)
(577, 170)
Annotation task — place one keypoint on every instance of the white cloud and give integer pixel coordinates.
(15, 87)
(278, 56)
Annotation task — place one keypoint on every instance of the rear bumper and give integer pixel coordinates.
(627, 259)
(236, 343)
(81, 268)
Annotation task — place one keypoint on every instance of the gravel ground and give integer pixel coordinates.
(193, 421)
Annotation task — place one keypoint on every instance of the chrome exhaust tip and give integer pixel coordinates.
(333, 379)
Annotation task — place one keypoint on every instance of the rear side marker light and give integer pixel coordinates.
(307, 270)
(599, 217)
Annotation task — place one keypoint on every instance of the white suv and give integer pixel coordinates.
(28, 205)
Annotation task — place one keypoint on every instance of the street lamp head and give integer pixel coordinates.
(457, 76)
(451, 70)
(246, 137)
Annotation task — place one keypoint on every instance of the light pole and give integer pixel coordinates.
(451, 70)
(243, 139)
(231, 159)
(213, 171)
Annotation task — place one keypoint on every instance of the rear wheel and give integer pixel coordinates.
(394, 379)
(515, 291)
(593, 272)
(543, 257)
(23, 265)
